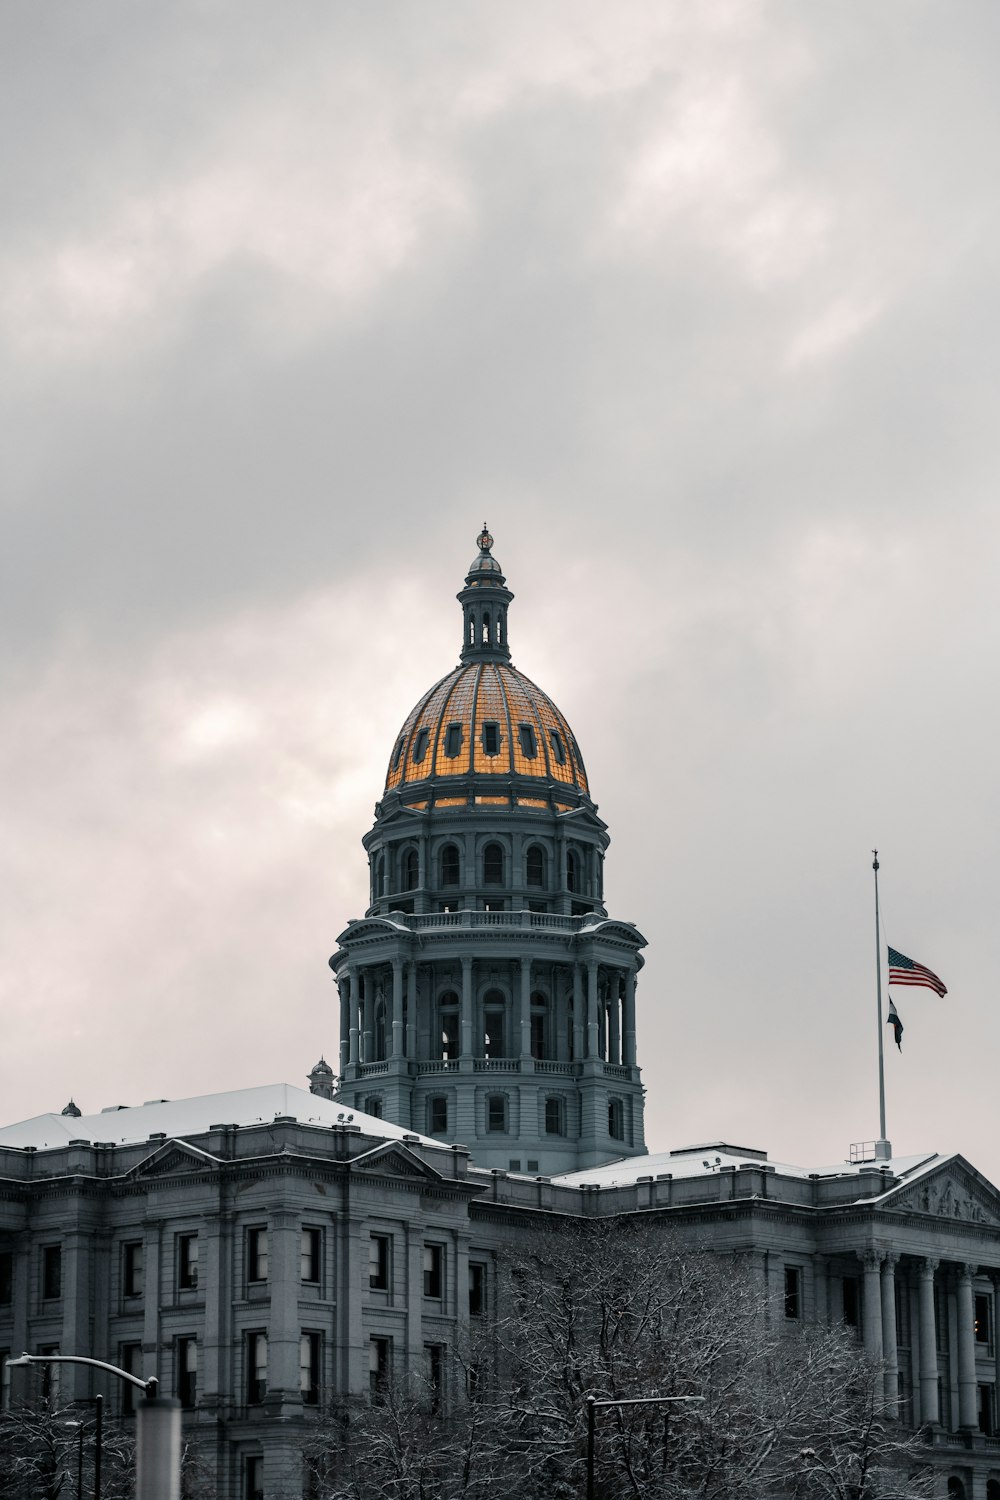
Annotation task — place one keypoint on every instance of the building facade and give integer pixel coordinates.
(266, 1251)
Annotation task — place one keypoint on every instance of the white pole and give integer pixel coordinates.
(158, 1449)
(878, 987)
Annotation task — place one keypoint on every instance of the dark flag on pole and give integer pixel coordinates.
(903, 970)
(895, 1023)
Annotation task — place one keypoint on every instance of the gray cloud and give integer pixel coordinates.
(697, 306)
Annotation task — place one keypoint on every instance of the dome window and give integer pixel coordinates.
(536, 865)
(572, 870)
(398, 754)
(449, 864)
(528, 743)
(453, 741)
(411, 870)
(420, 745)
(493, 865)
(558, 748)
(494, 1016)
(491, 738)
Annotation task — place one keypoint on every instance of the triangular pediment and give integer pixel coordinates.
(395, 1159)
(954, 1191)
(175, 1157)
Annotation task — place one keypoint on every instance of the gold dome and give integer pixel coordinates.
(486, 720)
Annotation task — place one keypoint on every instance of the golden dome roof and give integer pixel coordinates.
(486, 733)
(486, 719)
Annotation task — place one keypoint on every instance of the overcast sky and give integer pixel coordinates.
(696, 305)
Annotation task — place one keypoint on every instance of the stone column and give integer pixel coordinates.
(628, 1019)
(592, 1007)
(525, 1007)
(368, 1002)
(217, 1340)
(871, 1260)
(465, 1020)
(968, 1415)
(151, 1298)
(930, 1410)
(889, 1354)
(397, 1007)
(344, 990)
(75, 1336)
(577, 1012)
(614, 1017)
(283, 1234)
(411, 1009)
(821, 1269)
(353, 1033)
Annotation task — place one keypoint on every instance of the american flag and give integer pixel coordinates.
(903, 970)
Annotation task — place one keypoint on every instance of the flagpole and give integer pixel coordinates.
(878, 988)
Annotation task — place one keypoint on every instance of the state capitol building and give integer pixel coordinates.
(266, 1250)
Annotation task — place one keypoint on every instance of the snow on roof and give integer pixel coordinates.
(178, 1119)
(704, 1161)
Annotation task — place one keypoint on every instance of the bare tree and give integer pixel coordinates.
(46, 1449)
(620, 1311)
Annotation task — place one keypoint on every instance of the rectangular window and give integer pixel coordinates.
(253, 1478)
(435, 1374)
(309, 1350)
(420, 744)
(987, 1410)
(437, 1115)
(793, 1292)
(983, 1319)
(558, 748)
(453, 741)
(132, 1268)
(187, 1262)
(373, 1106)
(940, 1322)
(379, 1365)
(616, 1119)
(902, 1316)
(514, 1164)
(491, 738)
(256, 1255)
(434, 1271)
(256, 1367)
(6, 1278)
(378, 1262)
(527, 741)
(130, 1360)
(51, 1272)
(852, 1301)
(496, 1112)
(186, 1371)
(555, 1116)
(477, 1289)
(310, 1255)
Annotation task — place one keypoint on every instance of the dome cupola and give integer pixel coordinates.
(484, 602)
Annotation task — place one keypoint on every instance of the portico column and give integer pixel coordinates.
(466, 1018)
(930, 1410)
(614, 1017)
(353, 1034)
(397, 1007)
(871, 1260)
(995, 1279)
(525, 1007)
(577, 1012)
(592, 1007)
(968, 1416)
(628, 1019)
(411, 1009)
(889, 1354)
(821, 1267)
(344, 989)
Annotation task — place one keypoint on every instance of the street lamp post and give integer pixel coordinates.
(157, 1427)
(97, 1402)
(592, 1407)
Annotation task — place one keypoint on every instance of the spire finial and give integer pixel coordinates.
(484, 541)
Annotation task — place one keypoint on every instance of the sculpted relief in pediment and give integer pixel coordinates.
(951, 1198)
